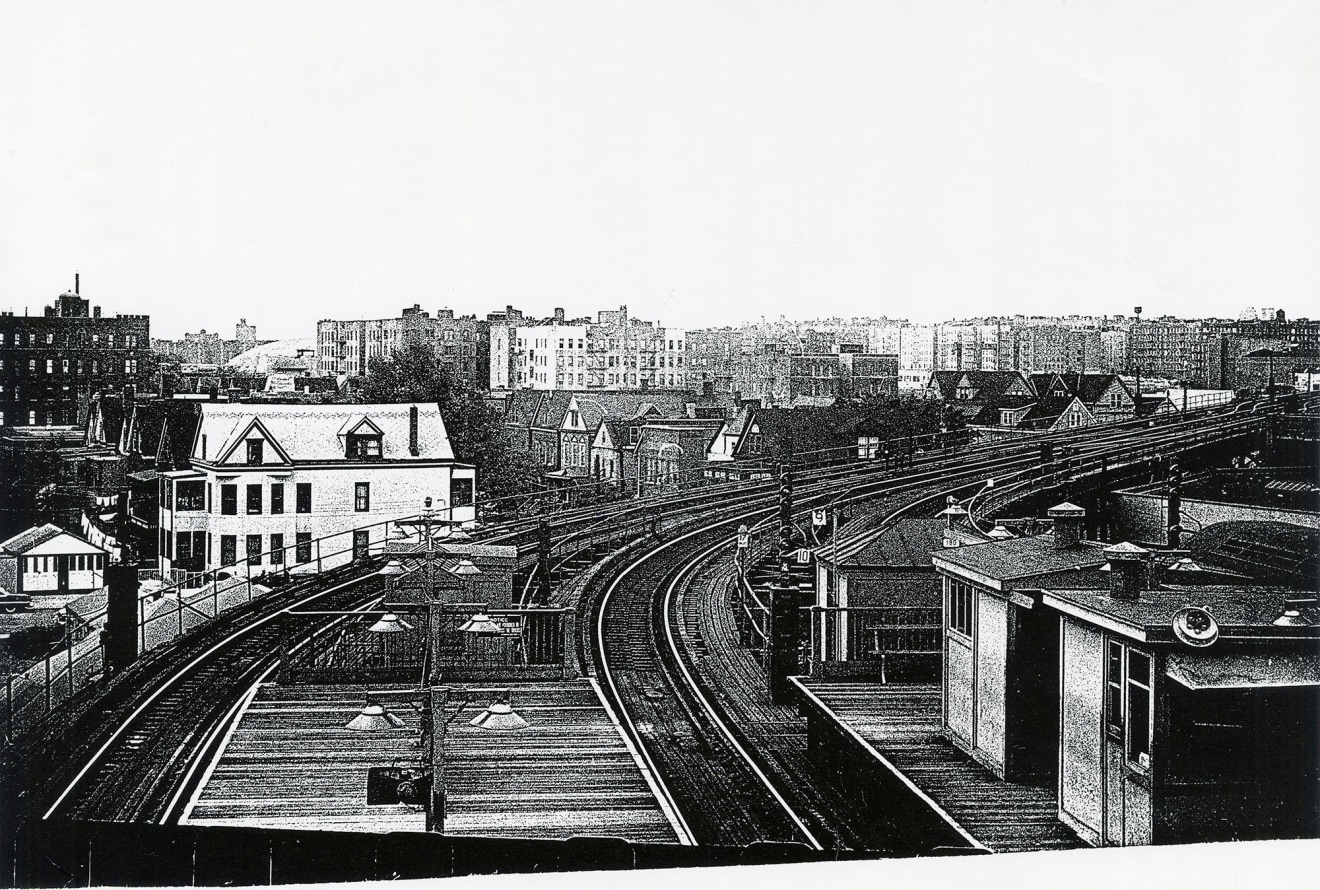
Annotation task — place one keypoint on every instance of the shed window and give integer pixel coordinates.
(960, 608)
(1139, 707)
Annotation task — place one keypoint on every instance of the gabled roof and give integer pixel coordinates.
(34, 537)
(311, 433)
(254, 424)
(522, 407)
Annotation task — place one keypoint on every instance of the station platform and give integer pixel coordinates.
(887, 737)
(289, 762)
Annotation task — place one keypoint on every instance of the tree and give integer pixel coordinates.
(414, 374)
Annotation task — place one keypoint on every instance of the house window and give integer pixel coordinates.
(228, 550)
(460, 491)
(254, 550)
(363, 447)
(1139, 707)
(254, 500)
(960, 608)
(362, 497)
(229, 500)
(302, 547)
(189, 497)
(277, 498)
(255, 451)
(303, 497)
(277, 550)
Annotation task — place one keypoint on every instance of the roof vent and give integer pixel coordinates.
(1068, 522)
(1127, 570)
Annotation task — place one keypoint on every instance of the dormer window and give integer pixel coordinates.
(966, 392)
(255, 451)
(364, 446)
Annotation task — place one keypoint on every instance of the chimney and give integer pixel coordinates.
(1127, 570)
(559, 315)
(76, 284)
(708, 388)
(96, 312)
(412, 431)
(1068, 522)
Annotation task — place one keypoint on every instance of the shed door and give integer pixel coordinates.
(1081, 767)
(62, 570)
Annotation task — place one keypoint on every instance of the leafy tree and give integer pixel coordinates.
(414, 374)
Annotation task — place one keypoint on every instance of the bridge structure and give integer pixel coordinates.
(681, 644)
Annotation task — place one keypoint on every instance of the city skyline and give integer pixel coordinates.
(703, 166)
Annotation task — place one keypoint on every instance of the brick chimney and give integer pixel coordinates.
(413, 448)
(1128, 567)
(1068, 522)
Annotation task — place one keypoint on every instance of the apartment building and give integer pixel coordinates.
(51, 364)
(461, 343)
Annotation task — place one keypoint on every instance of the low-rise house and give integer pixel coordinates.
(47, 560)
(672, 452)
(266, 483)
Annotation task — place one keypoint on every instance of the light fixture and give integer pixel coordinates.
(999, 533)
(499, 715)
(458, 536)
(373, 718)
(465, 567)
(481, 625)
(392, 569)
(390, 623)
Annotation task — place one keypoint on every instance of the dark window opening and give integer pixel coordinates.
(461, 491)
(303, 547)
(255, 451)
(190, 496)
(1139, 708)
(277, 498)
(1114, 689)
(362, 497)
(254, 500)
(254, 550)
(303, 493)
(229, 500)
(363, 447)
(277, 550)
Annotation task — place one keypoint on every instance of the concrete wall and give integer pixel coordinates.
(1081, 771)
(1144, 517)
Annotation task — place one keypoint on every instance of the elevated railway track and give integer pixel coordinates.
(127, 751)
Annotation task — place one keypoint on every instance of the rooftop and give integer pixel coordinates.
(1001, 562)
(1250, 611)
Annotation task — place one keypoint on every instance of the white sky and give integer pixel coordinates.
(704, 163)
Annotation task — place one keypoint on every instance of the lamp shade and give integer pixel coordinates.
(389, 623)
(480, 624)
(499, 715)
(393, 568)
(373, 718)
(465, 567)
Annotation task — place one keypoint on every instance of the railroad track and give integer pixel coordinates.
(725, 788)
(177, 720)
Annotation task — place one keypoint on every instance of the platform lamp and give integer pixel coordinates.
(388, 625)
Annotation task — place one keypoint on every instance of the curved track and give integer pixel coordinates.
(727, 790)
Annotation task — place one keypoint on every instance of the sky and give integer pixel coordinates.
(704, 163)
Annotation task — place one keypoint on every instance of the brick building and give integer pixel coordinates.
(461, 343)
(51, 364)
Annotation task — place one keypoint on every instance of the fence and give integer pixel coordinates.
(895, 643)
(188, 602)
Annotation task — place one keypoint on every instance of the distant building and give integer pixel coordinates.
(461, 343)
(203, 348)
(51, 364)
(266, 481)
(614, 352)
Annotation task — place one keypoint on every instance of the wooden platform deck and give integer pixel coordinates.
(290, 763)
(900, 725)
